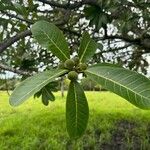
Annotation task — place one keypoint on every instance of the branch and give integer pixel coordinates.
(114, 50)
(69, 6)
(17, 17)
(21, 72)
(90, 2)
(126, 39)
(142, 42)
(71, 32)
(8, 42)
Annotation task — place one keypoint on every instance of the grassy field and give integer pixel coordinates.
(114, 124)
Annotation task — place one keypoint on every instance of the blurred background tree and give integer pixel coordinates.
(122, 29)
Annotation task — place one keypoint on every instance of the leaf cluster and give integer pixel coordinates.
(46, 92)
(130, 85)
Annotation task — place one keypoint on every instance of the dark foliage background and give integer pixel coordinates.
(121, 27)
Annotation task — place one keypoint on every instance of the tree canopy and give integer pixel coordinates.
(122, 29)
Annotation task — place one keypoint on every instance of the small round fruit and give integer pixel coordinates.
(72, 75)
(61, 66)
(76, 60)
(69, 64)
(83, 66)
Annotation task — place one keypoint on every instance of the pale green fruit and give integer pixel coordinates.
(72, 75)
(83, 66)
(69, 64)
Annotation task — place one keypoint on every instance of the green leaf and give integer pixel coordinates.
(32, 85)
(51, 38)
(38, 94)
(87, 47)
(77, 111)
(46, 96)
(52, 86)
(130, 85)
(46, 93)
(20, 9)
(98, 18)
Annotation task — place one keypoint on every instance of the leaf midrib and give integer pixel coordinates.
(37, 87)
(54, 44)
(85, 50)
(75, 95)
(119, 85)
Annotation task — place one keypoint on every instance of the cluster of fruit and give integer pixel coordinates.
(74, 66)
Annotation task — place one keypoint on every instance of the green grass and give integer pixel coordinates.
(113, 124)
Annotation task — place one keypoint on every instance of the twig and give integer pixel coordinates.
(71, 6)
(21, 72)
(16, 17)
(8, 42)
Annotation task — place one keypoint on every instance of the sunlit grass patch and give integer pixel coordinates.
(35, 126)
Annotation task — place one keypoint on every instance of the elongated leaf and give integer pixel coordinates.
(32, 85)
(50, 37)
(77, 111)
(130, 85)
(87, 48)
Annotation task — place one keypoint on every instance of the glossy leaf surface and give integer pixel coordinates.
(130, 85)
(77, 111)
(32, 85)
(51, 38)
(87, 48)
